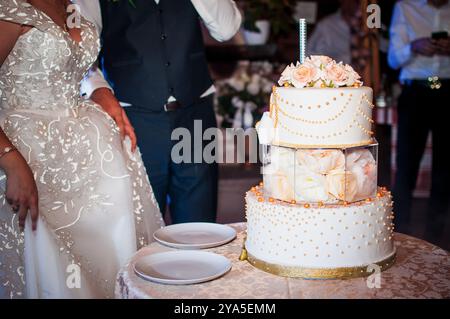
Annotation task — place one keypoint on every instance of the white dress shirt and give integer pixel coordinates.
(222, 18)
(331, 37)
(412, 20)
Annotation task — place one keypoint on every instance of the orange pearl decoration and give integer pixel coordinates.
(345, 203)
(320, 204)
(307, 205)
(253, 189)
(261, 184)
(369, 200)
(271, 200)
(258, 194)
(379, 194)
(293, 202)
(260, 199)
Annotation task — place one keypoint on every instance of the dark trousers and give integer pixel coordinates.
(420, 111)
(190, 189)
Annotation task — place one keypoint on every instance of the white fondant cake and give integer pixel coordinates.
(319, 238)
(313, 117)
(318, 213)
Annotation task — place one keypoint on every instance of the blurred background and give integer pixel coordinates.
(245, 68)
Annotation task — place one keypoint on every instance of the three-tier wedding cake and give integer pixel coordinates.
(319, 212)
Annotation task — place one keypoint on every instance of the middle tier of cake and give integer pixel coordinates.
(320, 175)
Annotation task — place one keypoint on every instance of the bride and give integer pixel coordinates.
(75, 200)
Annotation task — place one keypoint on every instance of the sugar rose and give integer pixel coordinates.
(337, 74)
(303, 75)
(287, 75)
(353, 78)
(321, 161)
(310, 186)
(342, 185)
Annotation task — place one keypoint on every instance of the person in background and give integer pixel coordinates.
(420, 47)
(337, 36)
(153, 57)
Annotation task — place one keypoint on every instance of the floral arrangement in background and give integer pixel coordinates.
(320, 72)
(242, 99)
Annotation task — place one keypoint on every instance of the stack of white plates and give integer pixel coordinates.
(182, 267)
(195, 235)
(188, 266)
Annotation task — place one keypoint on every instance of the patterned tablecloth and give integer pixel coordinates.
(421, 271)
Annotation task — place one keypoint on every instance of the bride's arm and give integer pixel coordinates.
(95, 87)
(9, 33)
(21, 190)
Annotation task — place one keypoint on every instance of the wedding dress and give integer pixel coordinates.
(95, 201)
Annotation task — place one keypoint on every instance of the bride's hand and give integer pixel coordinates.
(106, 99)
(21, 191)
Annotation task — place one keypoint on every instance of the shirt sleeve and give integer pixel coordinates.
(400, 44)
(91, 10)
(222, 18)
(93, 80)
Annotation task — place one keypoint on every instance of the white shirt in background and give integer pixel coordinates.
(221, 17)
(412, 20)
(331, 37)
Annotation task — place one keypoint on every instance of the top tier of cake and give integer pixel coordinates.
(320, 104)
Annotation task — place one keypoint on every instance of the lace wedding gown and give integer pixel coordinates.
(96, 204)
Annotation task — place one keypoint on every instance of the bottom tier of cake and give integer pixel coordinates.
(316, 241)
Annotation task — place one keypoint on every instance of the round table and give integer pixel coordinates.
(421, 270)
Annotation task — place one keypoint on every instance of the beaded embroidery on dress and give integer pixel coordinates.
(95, 201)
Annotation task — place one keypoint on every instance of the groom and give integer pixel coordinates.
(153, 59)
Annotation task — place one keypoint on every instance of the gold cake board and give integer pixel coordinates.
(319, 273)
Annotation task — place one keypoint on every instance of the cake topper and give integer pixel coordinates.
(302, 38)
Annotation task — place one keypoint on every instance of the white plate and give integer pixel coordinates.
(182, 267)
(195, 235)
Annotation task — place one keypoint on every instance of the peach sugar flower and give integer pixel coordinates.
(337, 74)
(320, 71)
(342, 185)
(321, 161)
(303, 75)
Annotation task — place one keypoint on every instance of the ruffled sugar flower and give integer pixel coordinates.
(277, 183)
(310, 186)
(286, 75)
(321, 161)
(336, 74)
(364, 167)
(353, 79)
(303, 76)
(342, 185)
(320, 71)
